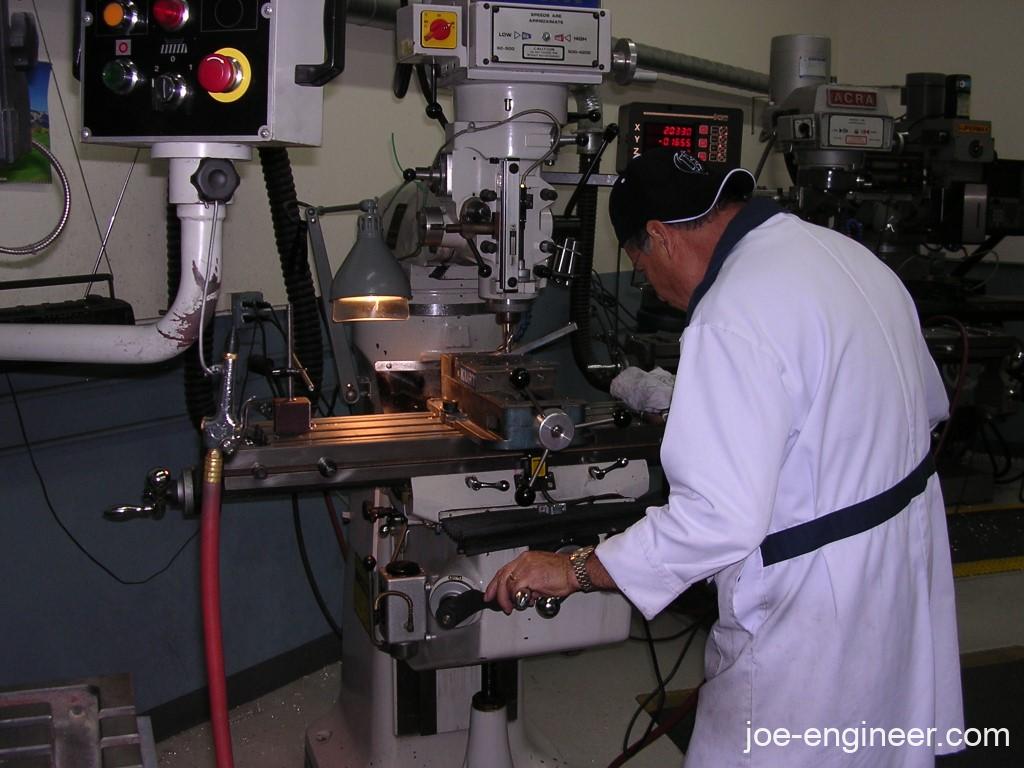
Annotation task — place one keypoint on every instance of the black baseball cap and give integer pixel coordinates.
(672, 187)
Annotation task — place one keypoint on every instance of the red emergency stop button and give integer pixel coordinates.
(170, 15)
(439, 30)
(218, 73)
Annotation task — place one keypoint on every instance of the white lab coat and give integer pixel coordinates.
(804, 386)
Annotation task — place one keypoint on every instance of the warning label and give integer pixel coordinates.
(545, 52)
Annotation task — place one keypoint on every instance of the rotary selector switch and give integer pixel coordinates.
(169, 91)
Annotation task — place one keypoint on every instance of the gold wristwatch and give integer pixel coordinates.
(578, 560)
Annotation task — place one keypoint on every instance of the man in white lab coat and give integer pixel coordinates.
(797, 451)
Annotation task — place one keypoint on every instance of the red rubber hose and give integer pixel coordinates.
(209, 578)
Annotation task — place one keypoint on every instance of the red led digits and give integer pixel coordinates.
(170, 15)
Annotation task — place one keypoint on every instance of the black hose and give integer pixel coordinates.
(200, 391)
(979, 253)
(290, 235)
(579, 292)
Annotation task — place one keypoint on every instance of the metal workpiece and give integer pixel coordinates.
(86, 723)
(637, 56)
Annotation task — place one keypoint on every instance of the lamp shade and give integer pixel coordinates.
(370, 284)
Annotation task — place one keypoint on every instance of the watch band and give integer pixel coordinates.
(578, 560)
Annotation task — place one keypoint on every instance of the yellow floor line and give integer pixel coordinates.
(984, 567)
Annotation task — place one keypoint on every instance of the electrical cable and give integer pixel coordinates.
(113, 218)
(657, 677)
(206, 290)
(473, 128)
(31, 248)
(764, 157)
(954, 402)
(666, 638)
(339, 534)
(310, 577)
(632, 749)
(60, 523)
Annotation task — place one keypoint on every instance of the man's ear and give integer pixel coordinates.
(658, 232)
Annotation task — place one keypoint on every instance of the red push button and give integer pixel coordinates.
(439, 30)
(170, 15)
(219, 74)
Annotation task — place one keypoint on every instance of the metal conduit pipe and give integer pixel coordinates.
(631, 56)
(373, 13)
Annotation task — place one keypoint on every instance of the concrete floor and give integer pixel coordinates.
(601, 683)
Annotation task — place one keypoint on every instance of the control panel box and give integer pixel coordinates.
(201, 70)
(574, 44)
(843, 117)
(536, 42)
(714, 135)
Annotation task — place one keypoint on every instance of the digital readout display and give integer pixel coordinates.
(707, 142)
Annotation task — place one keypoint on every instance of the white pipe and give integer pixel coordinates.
(156, 342)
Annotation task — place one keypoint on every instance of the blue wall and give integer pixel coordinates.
(61, 617)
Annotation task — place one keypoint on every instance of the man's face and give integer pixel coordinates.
(667, 267)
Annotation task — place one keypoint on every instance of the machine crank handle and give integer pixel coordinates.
(600, 473)
(316, 75)
(128, 512)
(475, 484)
(455, 609)
(610, 133)
(621, 418)
(161, 491)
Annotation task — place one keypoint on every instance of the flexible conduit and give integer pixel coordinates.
(290, 235)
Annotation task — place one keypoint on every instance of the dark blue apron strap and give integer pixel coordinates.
(860, 517)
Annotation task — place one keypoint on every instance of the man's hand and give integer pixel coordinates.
(543, 574)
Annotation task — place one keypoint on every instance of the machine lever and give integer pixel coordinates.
(128, 512)
(476, 484)
(455, 609)
(599, 473)
(316, 75)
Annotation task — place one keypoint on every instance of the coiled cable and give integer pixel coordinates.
(46, 242)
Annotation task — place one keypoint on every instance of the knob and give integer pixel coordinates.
(327, 467)
(489, 246)
(521, 600)
(488, 195)
(519, 378)
(121, 15)
(169, 91)
(218, 73)
(525, 496)
(439, 30)
(121, 76)
(170, 15)
(548, 194)
(548, 607)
